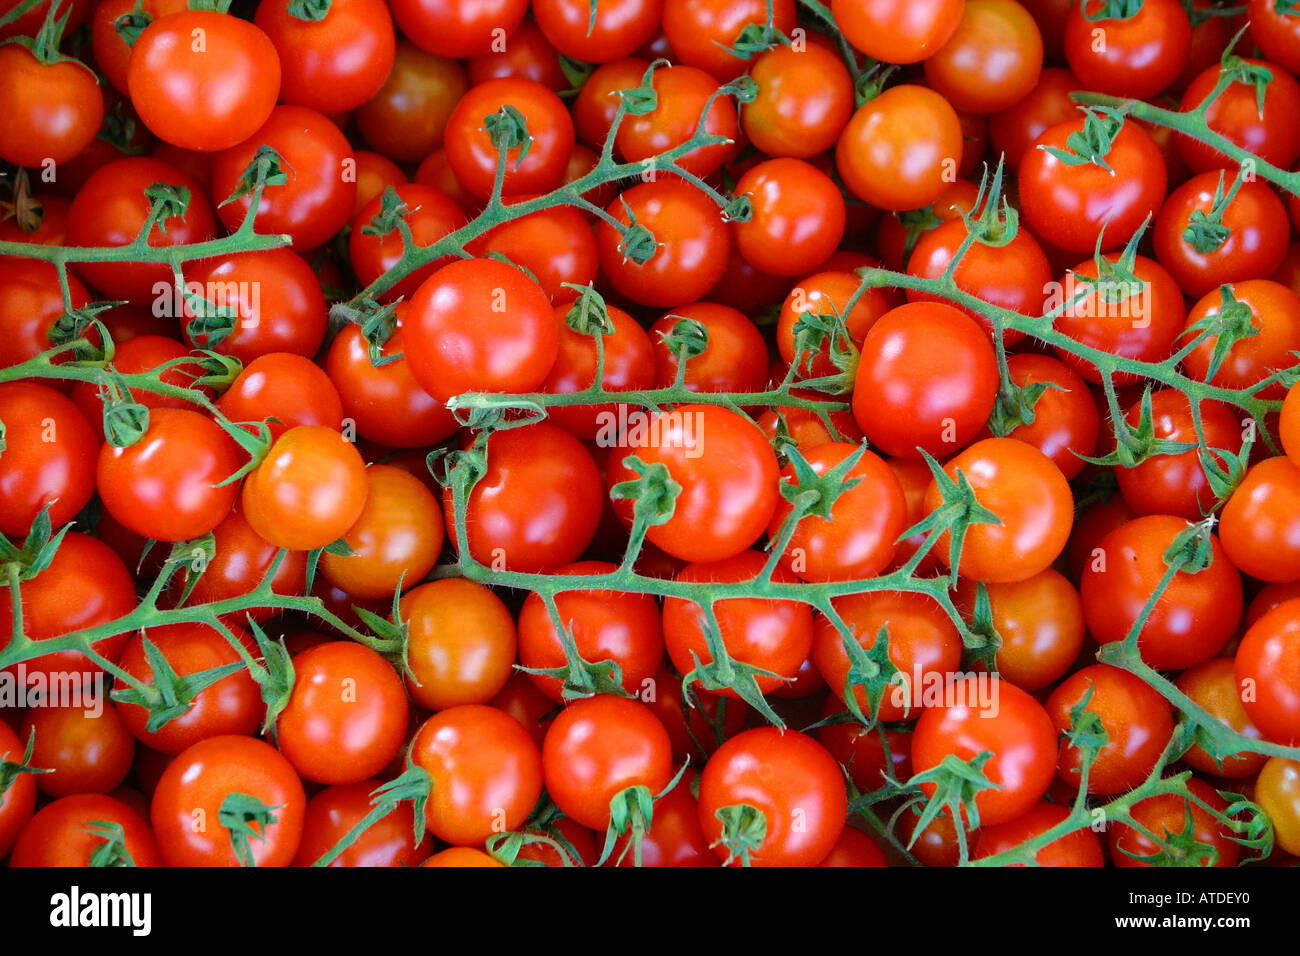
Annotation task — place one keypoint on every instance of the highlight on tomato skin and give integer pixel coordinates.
(648, 433)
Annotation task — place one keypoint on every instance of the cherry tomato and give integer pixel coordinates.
(991, 60)
(804, 101)
(1267, 664)
(1238, 115)
(69, 831)
(406, 119)
(87, 747)
(1078, 848)
(616, 29)
(797, 217)
(1169, 815)
(54, 109)
(18, 799)
(1277, 791)
(1139, 55)
(1213, 686)
(333, 812)
(48, 458)
(734, 360)
(460, 645)
(898, 31)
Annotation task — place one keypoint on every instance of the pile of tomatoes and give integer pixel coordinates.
(649, 432)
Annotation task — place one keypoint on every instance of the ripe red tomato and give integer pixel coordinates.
(793, 784)
(987, 714)
(64, 833)
(54, 108)
(1268, 673)
(991, 60)
(1014, 129)
(18, 800)
(48, 458)
(458, 29)
(198, 782)
(532, 510)
(140, 354)
(827, 295)
(1238, 116)
(1078, 848)
(1275, 31)
(406, 119)
(431, 216)
(1274, 336)
(87, 747)
(203, 80)
(460, 644)
(285, 387)
(1138, 56)
(702, 34)
(1192, 620)
(231, 706)
(617, 29)
(901, 149)
(333, 812)
(1066, 422)
(727, 471)
(926, 380)
(1170, 815)
(797, 217)
(683, 93)
(804, 101)
(1213, 686)
(898, 31)
(735, 360)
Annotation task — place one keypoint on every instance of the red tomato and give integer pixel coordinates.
(1139, 55)
(1213, 686)
(241, 561)
(1013, 130)
(1238, 116)
(991, 60)
(675, 837)
(1271, 338)
(18, 800)
(797, 217)
(827, 295)
(87, 747)
(69, 831)
(333, 812)
(702, 34)
(1268, 673)
(286, 387)
(406, 119)
(898, 31)
(460, 644)
(804, 101)
(617, 29)
(54, 108)
(682, 95)
(735, 359)
(1065, 423)
(458, 29)
(1169, 815)
(1081, 847)
(48, 458)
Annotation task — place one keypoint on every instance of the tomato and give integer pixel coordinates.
(1239, 117)
(1253, 249)
(1138, 56)
(793, 784)
(1079, 848)
(1070, 205)
(531, 511)
(898, 31)
(901, 149)
(855, 848)
(346, 717)
(1137, 319)
(141, 354)
(1192, 620)
(210, 101)
(702, 34)
(87, 747)
(727, 471)
(202, 778)
(308, 490)
(797, 217)
(1013, 130)
(986, 714)
(598, 100)
(18, 799)
(858, 537)
(334, 63)
(1040, 623)
(395, 540)
(285, 389)
(991, 60)
(479, 325)
(861, 752)
(54, 108)
(333, 812)
(1213, 686)
(461, 643)
(385, 402)
(1138, 722)
(675, 837)
(616, 30)
(48, 458)
(735, 359)
(31, 303)
(804, 101)
(165, 486)
(406, 119)
(604, 625)
(774, 636)
(827, 295)
(472, 156)
(88, 568)
(112, 55)
(695, 732)
(924, 646)
(897, 233)
(431, 216)
(556, 245)
(1065, 423)
(692, 243)
(1013, 276)
(1169, 815)
(111, 208)
(1274, 335)
(1277, 791)
(486, 770)
(1267, 669)
(1259, 530)
(29, 22)
(1276, 32)
(69, 831)
(231, 706)
(521, 699)
(528, 56)
(375, 173)
(1289, 425)
(927, 379)
(683, 93)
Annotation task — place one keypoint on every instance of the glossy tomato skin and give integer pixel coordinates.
(231, 706)
(334, 63)
(771, 635)
(1013, 130)
(286, 387)
(683, 94)
(1239, 117)
(334, 811)
(48, 459)
(556, 245)
(308, 490)
(825, 295)
(458, 29)
(87, 748)
(629, 365)
(926, 380)
(479, 325)
(1169, 813)
(675, 837)
(1213, 686)
(1259, 521)
(1275, 323)
(1000, 718)
(1267, 664)
(1277, 791)
(805, 99)
(1079, 848)
(1068, 205)
(532, 510)
(461, 643)
(54, 108)
(141, 353)
(605, 625)
(406, 119)
(18, 801)
(797, 217)
(59, 836)
(898, 31)
(620, 27)
(31, 302)
(486, 771)
(432, 214)
(110, 209)
(693, 244)
(207, 102)
(728, 473)
(242, 560)
(87, 567)
(734, 361)
(901, 149)
(346, 717)
(777, 773)
(165, 485)
(202, 777)
(1141, 55)
(1066, 423)
(1192, 620)
(924, 646)
(1137, 719)
(992, 59)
